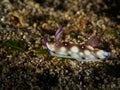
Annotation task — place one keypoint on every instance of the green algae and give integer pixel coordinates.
(115, 33)
(112, 70)
(74, 35)
(41, 51)
(15, 45)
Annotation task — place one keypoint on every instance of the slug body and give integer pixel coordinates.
(79, 52)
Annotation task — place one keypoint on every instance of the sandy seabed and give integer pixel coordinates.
(26, 65)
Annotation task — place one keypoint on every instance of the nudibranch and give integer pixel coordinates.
(81, 52)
